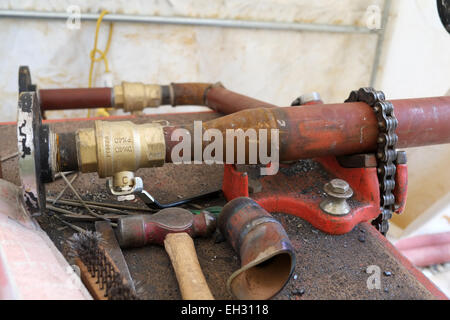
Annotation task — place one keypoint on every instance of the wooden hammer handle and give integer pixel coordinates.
(192, 282)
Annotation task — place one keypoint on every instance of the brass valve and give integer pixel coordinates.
(135, 96)
(118, 148)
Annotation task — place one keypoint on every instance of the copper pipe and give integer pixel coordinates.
(266, 254)
(225, 101)
(214, 96)
(76, 98)
(189, 93)
(336, 129)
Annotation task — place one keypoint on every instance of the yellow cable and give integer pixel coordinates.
(102, 56)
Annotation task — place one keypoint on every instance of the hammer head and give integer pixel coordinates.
(139, 230)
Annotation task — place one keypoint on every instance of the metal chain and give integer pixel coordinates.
(386, 153)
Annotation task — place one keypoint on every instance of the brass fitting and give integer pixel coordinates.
(118, 148)
(87, 150)
(135, 96)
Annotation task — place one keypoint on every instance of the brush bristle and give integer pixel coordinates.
(87, 247)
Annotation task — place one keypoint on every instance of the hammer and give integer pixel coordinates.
(173, 228)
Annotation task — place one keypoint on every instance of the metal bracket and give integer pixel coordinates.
(29, 122)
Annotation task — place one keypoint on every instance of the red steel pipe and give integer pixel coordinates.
(189, 93)
(424, 121)
(337, 129)
(214, 96)
(225, 101)
(76, 98)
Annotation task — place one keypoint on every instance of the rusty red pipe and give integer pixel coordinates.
(214, 96)
(75, 98)
(266, 254)
(337, 129)
(225, 101)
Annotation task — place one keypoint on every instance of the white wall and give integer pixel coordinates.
(416, 63)
(276, 66)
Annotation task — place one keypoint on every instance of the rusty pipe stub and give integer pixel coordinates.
(267, 256)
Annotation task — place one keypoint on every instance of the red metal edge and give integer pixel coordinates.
(401, 187)
(427, 283)
(114, 117)
(235, 183)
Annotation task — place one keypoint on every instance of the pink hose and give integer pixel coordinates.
(427, 249)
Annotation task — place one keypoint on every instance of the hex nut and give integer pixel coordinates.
(339, 185)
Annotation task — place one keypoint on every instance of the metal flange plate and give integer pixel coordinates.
(28, 126)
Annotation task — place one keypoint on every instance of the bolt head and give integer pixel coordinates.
(339, 186)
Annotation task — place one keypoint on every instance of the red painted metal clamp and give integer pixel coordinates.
(297, 189)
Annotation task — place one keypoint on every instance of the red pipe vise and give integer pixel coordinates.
(299, 189)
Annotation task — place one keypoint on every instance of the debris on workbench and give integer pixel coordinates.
(79, 197)
(74, 227)
(298, 292)
(362, 238)
(93, 206)
(196, 206)
(109, 205)
(219, 238)
(79, 217)
(60, 194)
(10, 156)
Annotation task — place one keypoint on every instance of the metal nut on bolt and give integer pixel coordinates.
(337, 191)
(339, 186)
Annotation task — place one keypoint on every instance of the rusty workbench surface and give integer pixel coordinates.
(328, 267)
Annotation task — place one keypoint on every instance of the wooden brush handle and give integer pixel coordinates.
(192, 283)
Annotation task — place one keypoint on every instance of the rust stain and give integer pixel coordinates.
(189, 40)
